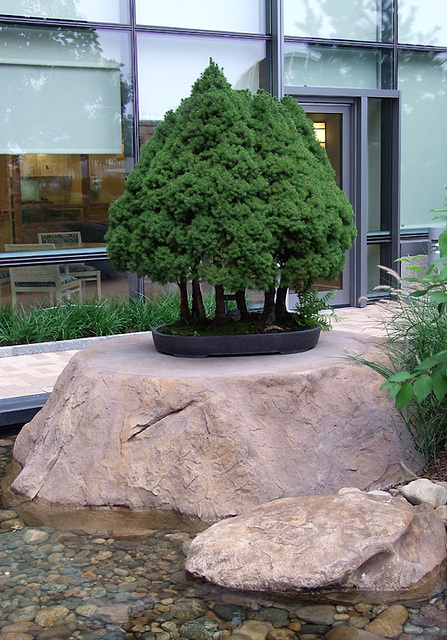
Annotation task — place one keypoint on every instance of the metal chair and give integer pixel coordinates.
(4, 282)
(84, 272)
(41, 278)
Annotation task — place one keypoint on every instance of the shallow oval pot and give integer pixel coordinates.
(236, 345)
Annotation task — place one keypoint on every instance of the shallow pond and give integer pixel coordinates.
(89, 584)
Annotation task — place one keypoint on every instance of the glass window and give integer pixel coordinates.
(169, 65)
(423, 82)
(339, 19)
(378, 254)
(245, 16)
(92, 10)
(334, 66)
(66, 139)
(422, 22)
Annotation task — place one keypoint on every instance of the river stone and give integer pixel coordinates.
(424, 490)
(188, 609)
(349, 547)
(254, 630)
(246, 430)
(199, 629)
(389, 623)
(316, 613)
(35, 536)
(348, 633)
(281, 634)
(231, 612)
(47, 616)
(114, 613)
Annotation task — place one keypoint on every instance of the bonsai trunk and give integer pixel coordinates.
(268, 315)
(241, 304)
(220, 316)
(198, 309)
(280, 305)
(184, 306)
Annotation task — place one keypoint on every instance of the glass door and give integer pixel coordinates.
(333, 127)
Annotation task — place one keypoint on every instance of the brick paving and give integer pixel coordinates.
(33, 373)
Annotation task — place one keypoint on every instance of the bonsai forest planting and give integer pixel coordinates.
(233, 190)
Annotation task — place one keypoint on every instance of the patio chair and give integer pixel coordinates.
(4, 282)
(84, 272)
(46, 279)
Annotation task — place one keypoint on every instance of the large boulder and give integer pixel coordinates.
(129, 427)
(349, 546)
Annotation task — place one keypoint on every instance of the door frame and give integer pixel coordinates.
(356, 153)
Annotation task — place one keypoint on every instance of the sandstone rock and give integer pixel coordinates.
(47, 616)
(240, 427)
(441, 512)
(423, 490)
(15, 635)
(389, 623)
(351, 547)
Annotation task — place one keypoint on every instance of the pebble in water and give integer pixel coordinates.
(92, 586)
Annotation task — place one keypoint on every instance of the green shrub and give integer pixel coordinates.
(416, 346)
(67, 321)
(235, 190)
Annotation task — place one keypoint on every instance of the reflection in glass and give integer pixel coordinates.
(332, 66)
(378, 254)
(423, 82)
(66, 132)
(244, 16)
(363, 20)
(45, 284)
(169, 65)
(380, 151)
(422, 22)
(92, 10)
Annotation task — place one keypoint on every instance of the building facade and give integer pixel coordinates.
(85, 82)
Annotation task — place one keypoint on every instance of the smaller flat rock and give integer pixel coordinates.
(351, 545)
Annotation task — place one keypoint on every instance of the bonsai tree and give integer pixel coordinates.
(235, 190)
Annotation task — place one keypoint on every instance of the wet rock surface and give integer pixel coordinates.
(88, 585)
(348, 546)
(104, 438)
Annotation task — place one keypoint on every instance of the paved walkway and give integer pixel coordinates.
(32, 373)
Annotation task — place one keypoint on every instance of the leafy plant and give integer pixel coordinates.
(416, 330)
(67, 321)
(233, 189)
(309, 307)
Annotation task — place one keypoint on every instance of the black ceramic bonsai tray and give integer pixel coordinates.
(236, 345)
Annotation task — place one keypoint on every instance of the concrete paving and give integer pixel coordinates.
(34, 369)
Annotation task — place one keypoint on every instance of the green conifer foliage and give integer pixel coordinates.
(235, 190)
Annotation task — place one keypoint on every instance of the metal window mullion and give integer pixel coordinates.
(277, 47)
(361, 260)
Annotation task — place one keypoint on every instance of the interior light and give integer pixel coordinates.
(320, 132)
